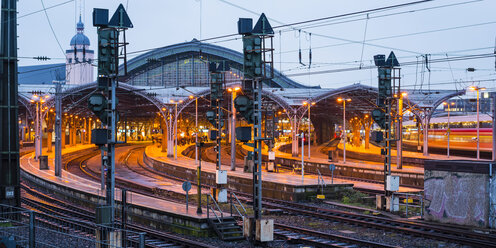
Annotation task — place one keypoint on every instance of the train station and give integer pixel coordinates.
(201, 143)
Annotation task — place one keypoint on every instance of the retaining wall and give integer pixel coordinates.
(273, 190)
(460, 192)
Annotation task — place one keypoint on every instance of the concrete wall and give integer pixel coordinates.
(270, 189)
(460, 196)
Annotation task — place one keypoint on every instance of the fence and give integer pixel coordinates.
(26, 228)
(412, 203)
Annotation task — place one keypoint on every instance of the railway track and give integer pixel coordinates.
(426, 230)
(70, 218)
(432, 231)
(291, 233)
(320, 239)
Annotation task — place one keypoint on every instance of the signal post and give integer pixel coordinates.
(103, 104)
(257, 49)
(384, 116)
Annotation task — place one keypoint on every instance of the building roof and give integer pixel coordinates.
(142, 62)
(80, 39)
(41, 74)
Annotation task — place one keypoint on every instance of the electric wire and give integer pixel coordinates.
(51, 27)
(297, 23)
(475, 56)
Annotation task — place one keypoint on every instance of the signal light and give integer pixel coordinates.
(244, 106)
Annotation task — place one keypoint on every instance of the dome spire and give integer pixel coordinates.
(80, 25)
(80, 38)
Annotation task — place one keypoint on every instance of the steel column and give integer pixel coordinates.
(494, 127)
(233, 132)
(58, 129)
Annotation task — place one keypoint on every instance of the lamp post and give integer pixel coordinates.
(399, 131)
(38, 101)
(175, 126)
(449, 130)
(233, 126)
(344, 100)
(477, 90)
(309, 123)
(196, 127)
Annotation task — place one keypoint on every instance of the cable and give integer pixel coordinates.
(38, 11)
(475, 56)
(333, 22)
(363, 43)
(51, 27)
(354, 13)
(297, 23)
(406, 35)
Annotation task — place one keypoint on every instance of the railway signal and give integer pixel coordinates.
(104, 103)
(257, 70)
(215, 116)
(244, 106)
(383, 114)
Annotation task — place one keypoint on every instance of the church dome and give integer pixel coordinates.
(80, 38)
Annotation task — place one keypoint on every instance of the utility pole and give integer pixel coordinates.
(9, 125)
(58, 127)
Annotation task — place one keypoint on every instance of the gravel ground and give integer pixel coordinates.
(46, 238)
(369, 234)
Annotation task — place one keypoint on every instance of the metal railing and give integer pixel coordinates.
(412, 201)
(209, 207)
(320, 181)
(34, 229)
(233, 196)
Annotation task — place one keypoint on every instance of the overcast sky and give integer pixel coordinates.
(441, 28)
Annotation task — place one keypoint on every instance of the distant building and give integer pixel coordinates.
(79, 58)
(469, 105)
(76, 70)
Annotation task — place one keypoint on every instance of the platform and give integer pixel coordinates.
(130, 176)
(142, 209)
(411, 178)
(414, 158)
(283, 185)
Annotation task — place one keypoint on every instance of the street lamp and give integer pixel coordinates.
(38, 101)
(196, 126)
(344, 100)
(309, 123)
(175, 126)
(477, 89)
(448, 131)
(233, 126)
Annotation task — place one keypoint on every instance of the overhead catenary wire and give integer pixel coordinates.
(298, 23)
(51, 27)
(467, 57)
(364, 36)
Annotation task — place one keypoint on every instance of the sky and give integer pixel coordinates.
(438, 30)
